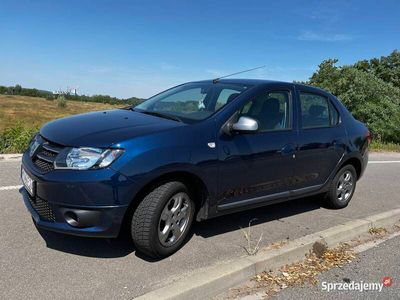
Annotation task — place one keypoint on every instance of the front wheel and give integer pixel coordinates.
(342, 187)
(162, 220)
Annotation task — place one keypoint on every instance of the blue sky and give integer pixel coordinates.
(137, 48)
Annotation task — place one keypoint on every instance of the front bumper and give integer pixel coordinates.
(108, 225)
(84, 203)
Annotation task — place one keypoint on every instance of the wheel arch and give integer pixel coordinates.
(195, 184)
(355, 162)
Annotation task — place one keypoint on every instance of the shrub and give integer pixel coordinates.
(61, 102)
(50, 97)
(391, 147)
(16, 139)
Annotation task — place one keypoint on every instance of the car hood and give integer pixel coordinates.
(103, 128)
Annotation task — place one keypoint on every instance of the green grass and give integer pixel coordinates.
(384, 147)
(16, 139)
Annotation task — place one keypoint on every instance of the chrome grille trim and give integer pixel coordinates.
(44, 157)
(51, 148)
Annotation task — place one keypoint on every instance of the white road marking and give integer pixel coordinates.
(383, 161)
(10, 187)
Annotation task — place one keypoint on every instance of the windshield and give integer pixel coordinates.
(192, 101)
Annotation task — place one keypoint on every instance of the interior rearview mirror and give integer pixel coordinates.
(245, 124)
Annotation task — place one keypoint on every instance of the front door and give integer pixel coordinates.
(257, 167)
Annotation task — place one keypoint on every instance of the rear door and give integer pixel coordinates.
(320, 140)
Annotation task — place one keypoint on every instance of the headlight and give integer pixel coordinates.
(86, 158)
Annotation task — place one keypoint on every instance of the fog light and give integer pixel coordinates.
(81, 218)
(71, 218)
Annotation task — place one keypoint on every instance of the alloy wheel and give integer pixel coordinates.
(174, 219)
(345, 186)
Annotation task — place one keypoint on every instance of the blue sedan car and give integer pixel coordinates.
(194, 152)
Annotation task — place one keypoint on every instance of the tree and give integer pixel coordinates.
(386, 68)
(17, 89)
(369, 98)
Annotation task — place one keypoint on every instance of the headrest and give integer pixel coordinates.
(316, 110)
(272, 104)
(232, 96)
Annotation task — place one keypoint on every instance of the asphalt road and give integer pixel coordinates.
(36, 264)
(372, 266)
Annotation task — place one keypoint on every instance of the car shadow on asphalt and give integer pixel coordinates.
(86, 246)
(264, 214)
(123, 246)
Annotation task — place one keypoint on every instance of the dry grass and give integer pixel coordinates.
(378, 231)
(304, 272)
(252, 246)
(267, 284)
(276, 245)
(34, 112)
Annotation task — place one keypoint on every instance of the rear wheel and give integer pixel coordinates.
(342, 187)
(162, 220)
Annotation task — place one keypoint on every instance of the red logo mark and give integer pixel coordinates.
(387, 281)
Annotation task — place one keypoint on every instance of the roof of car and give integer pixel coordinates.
(243, 81)
(262, 82)
(255, 82)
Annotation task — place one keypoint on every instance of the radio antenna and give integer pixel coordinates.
(217, 79)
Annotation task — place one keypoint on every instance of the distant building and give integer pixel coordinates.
(68, 91)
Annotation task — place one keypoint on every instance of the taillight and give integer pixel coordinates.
(369, 137)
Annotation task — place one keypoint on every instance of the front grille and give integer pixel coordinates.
(44, 166)
(45, 155)
(43, 209)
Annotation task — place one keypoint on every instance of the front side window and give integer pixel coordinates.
(317, 111)
(270, 109)
(192, 101)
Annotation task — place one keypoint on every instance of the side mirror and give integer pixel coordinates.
(245, 125)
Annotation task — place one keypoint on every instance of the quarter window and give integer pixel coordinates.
(334, 114)
(271, 110)
(317, 111)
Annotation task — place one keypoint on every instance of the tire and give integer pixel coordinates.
(342, 187)
(161, 222)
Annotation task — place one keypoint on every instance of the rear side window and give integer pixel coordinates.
(317, 111)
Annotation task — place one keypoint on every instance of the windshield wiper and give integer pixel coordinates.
(158, 114)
